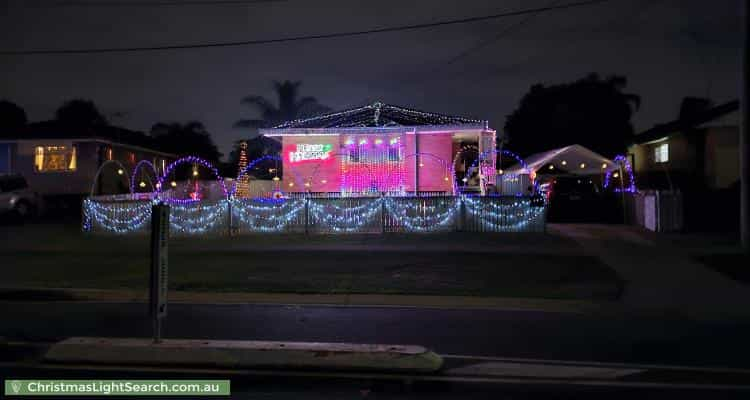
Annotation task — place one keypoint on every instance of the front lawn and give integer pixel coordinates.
(398, 264)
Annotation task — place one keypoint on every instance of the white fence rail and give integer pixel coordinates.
(322, 215)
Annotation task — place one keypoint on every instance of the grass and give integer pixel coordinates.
(61, 257)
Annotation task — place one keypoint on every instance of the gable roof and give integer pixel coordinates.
(379, 115)
(573, 155)
(55, 130)
(680, 125)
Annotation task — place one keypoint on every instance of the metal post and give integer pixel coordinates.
(622, 194)
(745, 132)
(159, 267)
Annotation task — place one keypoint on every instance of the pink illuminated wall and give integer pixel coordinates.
(433, 172)
(367, 162)
(315, 175)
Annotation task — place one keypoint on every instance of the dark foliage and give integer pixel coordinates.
(256, 148)
(592, 112)
(12, 117)
(80, 114)
(185, 139)
(290, 107)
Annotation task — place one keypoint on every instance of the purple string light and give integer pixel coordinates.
(622, 160)
(135, 172)
(190, 160)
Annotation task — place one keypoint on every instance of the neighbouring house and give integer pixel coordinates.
(379, 148)
(60, 162)
(701, 148)
(696, 155)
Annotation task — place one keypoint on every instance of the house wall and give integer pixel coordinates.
(56, 183)
(682, 156)
(328, 175)
(432, 175)
(89, 156)
(722, 157)
(717, 166)
(319, 175)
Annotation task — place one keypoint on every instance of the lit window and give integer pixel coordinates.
(109, 153)
(661, 153)
(55, 158)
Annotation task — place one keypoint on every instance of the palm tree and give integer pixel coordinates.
(289, 107)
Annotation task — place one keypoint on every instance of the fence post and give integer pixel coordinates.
(307, 216)
(382, 213)
(462, 216)
(229, 218)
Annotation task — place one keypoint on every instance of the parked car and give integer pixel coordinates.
(17, 198)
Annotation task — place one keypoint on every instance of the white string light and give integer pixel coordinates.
(344, 215)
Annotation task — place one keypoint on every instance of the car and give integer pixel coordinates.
(17, 198)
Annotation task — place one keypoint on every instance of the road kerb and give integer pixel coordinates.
(246, 354)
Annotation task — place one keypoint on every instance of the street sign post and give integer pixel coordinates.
(159, 267)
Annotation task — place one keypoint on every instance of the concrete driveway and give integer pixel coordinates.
(660, 272)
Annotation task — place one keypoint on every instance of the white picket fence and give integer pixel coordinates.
(322, 215)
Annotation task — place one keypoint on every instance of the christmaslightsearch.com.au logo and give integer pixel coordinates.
(95, 387)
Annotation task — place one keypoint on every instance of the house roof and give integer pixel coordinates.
(54, 130)
(379, 115)
(573, 155)
(660, 131)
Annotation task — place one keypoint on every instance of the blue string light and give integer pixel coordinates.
(325, 215)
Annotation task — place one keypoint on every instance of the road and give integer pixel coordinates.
(498, 333)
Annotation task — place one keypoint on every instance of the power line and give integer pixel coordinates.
(138, 3)
(500, 35)
(307, 37)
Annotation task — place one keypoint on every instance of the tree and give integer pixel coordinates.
(258, 147)
(289, 107)
(12, 117)
(80, 113)
(592, 112)
(189, 139)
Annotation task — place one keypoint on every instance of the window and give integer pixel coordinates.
(661, 153)
(54, 158)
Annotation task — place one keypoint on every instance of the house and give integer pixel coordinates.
(62, 162)
(378, 148)
(696, 158)
(699, 150)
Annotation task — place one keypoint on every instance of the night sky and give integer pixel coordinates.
(667, 49)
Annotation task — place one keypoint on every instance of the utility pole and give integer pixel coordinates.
(745, 130)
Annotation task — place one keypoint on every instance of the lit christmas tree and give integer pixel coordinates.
(243, 182)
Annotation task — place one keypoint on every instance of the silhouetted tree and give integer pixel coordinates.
(80, 113)
(185, 139)
(289, 107)
(592, 112)
(12, 118)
